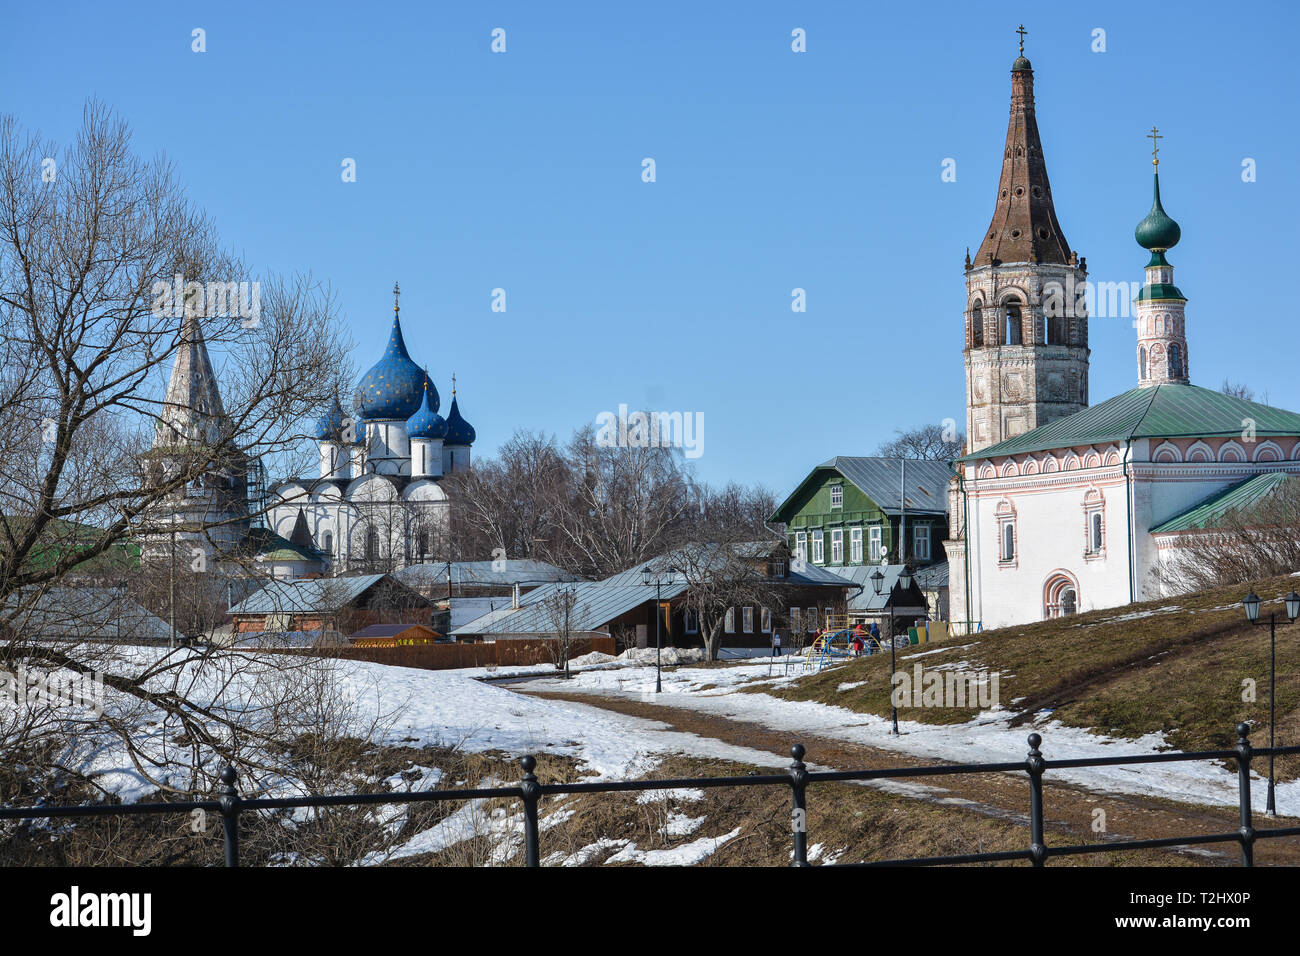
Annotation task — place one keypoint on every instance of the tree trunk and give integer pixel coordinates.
(712, 639)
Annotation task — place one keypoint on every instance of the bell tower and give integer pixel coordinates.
(1026, 342)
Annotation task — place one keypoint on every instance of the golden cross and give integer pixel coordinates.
(396, 292)
(453, 384)
(1155, 138)
(1022, 31)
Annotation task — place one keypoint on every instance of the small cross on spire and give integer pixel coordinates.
(1155, 138)
(453, 384)
(396, 293)
(1022, 31)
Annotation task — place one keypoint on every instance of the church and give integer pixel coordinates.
(1059, 506)
(376, 503)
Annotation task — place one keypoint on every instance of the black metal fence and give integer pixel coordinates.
(230, 805)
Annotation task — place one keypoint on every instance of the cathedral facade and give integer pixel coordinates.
(376, 503)
(1058, 506)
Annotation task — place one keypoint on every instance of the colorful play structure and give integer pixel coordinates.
(835, 642)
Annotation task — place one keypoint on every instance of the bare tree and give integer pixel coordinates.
(1241, 390)
(87, 341)
(928, 442)
(1248, 544)
(558, 606)
(718, 577)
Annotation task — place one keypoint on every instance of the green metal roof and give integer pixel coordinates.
(1159, 411)
(1240, 497)
(881, 480)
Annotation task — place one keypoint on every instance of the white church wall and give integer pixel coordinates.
(1050, 514)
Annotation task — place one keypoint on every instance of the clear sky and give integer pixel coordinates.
(775, 170)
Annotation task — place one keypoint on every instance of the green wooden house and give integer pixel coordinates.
(851, 511)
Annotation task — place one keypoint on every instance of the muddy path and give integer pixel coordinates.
(1068, 809)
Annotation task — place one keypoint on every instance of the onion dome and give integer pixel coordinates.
(393, 389)
(427, 423)
(459, 431)
(331, 424)
(1157, 231)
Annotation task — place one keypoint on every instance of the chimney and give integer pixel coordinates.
(514, 596)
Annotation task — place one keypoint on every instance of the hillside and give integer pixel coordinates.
(1174, 666)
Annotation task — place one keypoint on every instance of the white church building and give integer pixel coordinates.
(376, 502)
(1058, 506)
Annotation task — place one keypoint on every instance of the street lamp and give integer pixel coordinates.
(1251, 603)
(878, 583)
(646, 576)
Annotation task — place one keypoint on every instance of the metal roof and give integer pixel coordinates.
(880, 479)
(1239, 497)
(860, 574)
(484, 573)
(596, 603)
(599, 602)
(82, 613)
(306, 595)
(1159, 411)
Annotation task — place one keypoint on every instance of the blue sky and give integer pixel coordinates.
(775, 170)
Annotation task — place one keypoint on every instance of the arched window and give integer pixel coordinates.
(1142, 362)
(372, 545)
(422, 543)
(1055, 329)
(1008, 541)
(1068, 602)
(1096, 531)
(1175, 362)
(328, 543)
(977, 327)
(1012, 325)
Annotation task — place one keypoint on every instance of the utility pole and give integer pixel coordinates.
(171, 640)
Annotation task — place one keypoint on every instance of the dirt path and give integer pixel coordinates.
(1067, 809)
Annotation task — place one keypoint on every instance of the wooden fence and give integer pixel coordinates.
(434, 657)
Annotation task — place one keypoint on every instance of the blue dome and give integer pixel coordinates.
(427, 423)
(393, 389)
(330, 426)
(459, 431)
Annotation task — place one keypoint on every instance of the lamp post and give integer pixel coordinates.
(1251, 604)
(646, 576)
(878, 583)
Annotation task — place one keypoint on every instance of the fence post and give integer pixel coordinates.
(1035, 764)
(229, 800)
(1247, 832)
(799, 813)
(530, 790)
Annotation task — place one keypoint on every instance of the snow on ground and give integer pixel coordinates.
(987, 738)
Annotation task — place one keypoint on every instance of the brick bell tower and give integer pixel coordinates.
(1026, 346)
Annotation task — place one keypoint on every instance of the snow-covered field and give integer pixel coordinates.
(405, 706)
(985, 739)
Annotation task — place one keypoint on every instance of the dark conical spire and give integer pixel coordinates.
(300, 535)
(1024, 226)
(192, 413)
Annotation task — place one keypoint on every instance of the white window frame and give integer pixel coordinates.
(801, 545)
(795, 620)
(921, 542)
(810, 620)
(819, 547)
(748, 618)
(837, 497)
(1007, 534)
(691, 621)
(765, 620)
(855, 545)
(729, 621)
(876, 547)
(837, 546)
